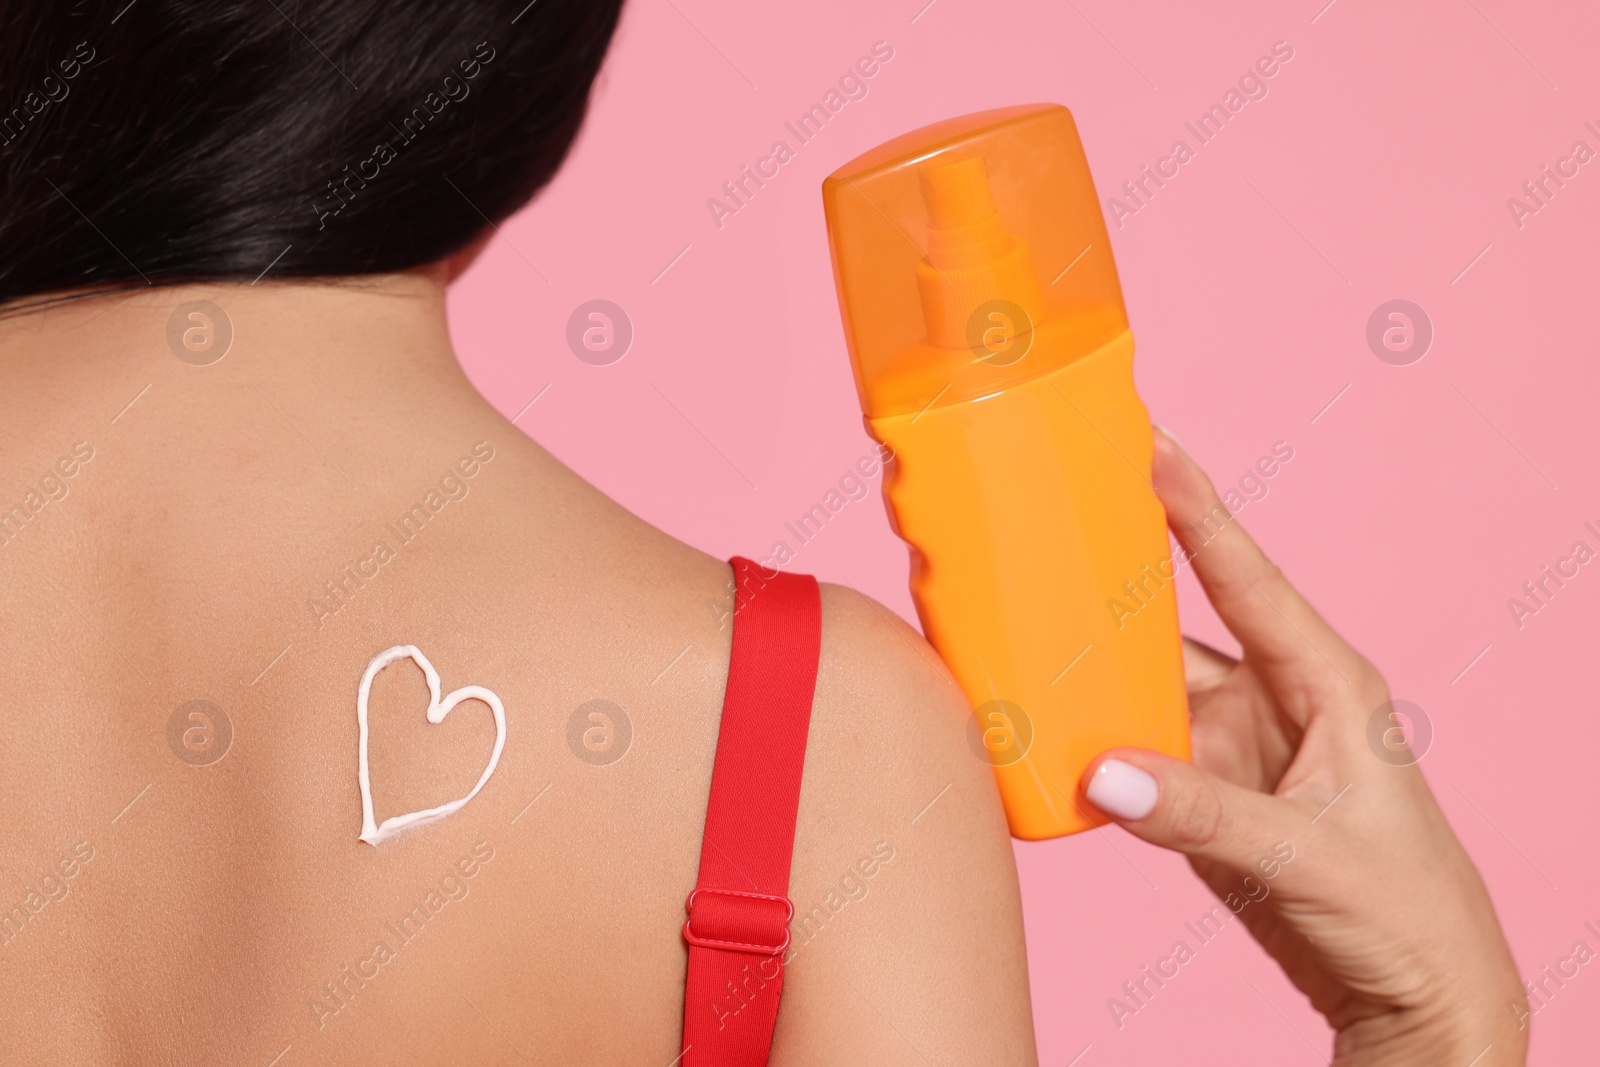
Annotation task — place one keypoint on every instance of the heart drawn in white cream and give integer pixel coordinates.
(372, 832)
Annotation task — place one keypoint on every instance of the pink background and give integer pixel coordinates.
(1378, 167)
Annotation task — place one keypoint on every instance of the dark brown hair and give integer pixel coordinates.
(163, 141)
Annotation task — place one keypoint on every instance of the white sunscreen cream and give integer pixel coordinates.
(372, 832)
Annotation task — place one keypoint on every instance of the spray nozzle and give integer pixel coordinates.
(964, 226)
(974, 263)
(947, 242)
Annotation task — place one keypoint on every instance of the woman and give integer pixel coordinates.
(240, 462)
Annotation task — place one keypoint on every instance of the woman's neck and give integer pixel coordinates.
(148, 430)
(332, 349)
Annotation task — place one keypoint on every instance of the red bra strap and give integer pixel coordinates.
(739, 912)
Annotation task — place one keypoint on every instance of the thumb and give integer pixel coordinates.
(1176, 805)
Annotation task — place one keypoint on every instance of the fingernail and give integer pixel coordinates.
(1172, 436)
(1123, 790)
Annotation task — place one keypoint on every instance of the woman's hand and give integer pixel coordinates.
(1339, 862)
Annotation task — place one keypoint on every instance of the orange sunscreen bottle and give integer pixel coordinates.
(992, 354)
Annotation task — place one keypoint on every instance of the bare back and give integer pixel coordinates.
(197, 564)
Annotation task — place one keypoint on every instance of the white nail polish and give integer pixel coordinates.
(1171, 435)
(1123, 790)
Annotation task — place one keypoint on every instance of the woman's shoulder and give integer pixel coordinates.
(903, 880)
(908, 923)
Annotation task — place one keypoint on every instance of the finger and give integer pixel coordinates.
(1273, 622)
(1177, 805)
(1204, 667)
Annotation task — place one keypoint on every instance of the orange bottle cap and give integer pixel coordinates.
(970, 255)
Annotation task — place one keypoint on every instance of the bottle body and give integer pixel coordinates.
(989, 339)
(1042, 575)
